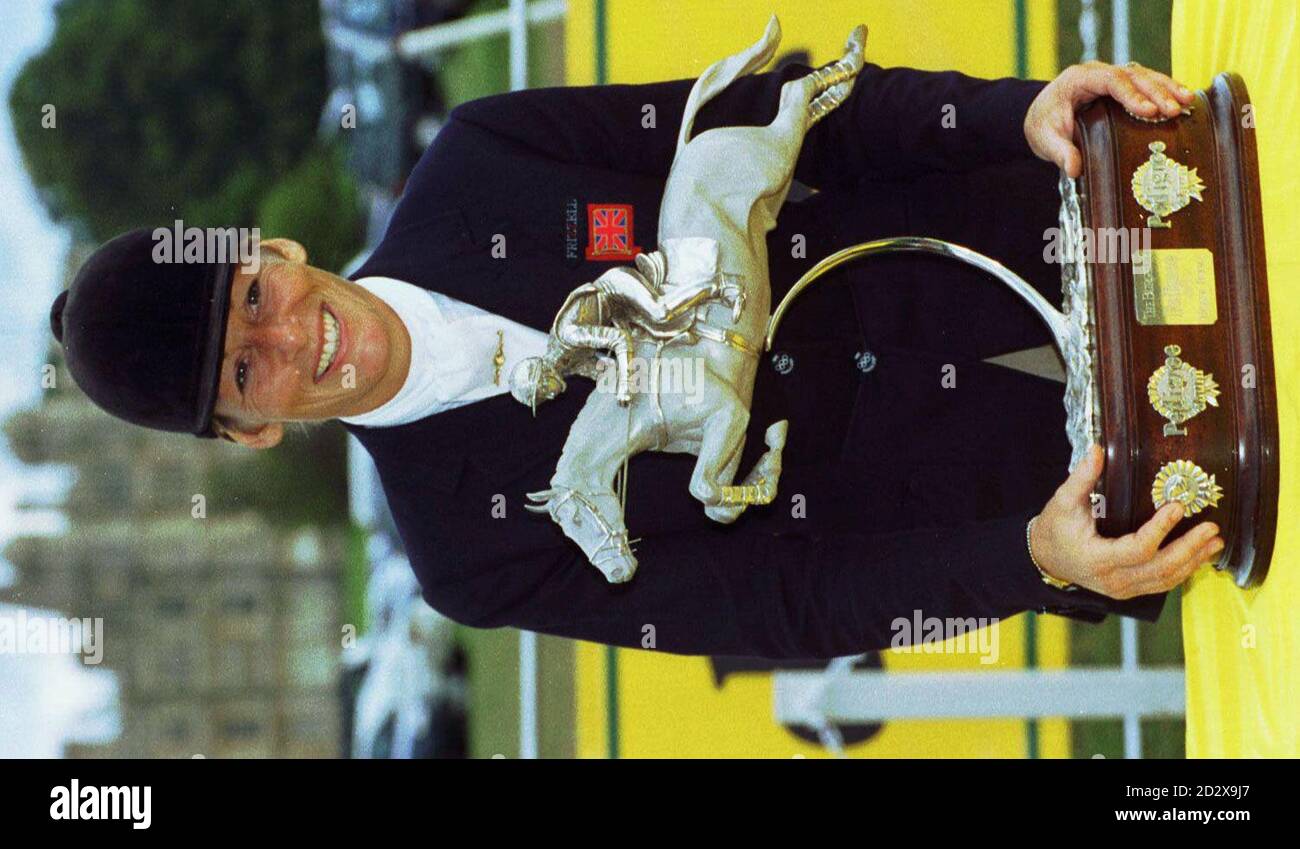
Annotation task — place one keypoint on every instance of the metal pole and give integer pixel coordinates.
(1088, 30)
(806, 698)
(1128, 653)
(528, 730)
(527, 695)
(424, 44)
(518, 44)
(1119, 31)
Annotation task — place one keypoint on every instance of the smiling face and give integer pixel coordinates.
(303, 345)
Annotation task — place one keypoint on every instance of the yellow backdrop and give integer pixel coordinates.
(1243, 648)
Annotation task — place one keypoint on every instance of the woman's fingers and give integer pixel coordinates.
(1157, 88)
(1142, 91)
(1058, 148)
(1181, 93)
(1140, 567)
(1176, 563)
(1049, 122)
(1098, 79)
(1143, 544)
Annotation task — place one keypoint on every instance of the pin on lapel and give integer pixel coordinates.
(499, 358)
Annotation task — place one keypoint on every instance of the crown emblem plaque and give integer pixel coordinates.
(1179, 391)
(1162, 186)
(1184, 481)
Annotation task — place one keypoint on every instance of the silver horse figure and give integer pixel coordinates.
(703, 297)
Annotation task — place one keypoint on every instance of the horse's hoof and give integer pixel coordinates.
(723, 515)
(776, 434)
(856, 44)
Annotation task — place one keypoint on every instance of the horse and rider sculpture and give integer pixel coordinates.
(703, 297)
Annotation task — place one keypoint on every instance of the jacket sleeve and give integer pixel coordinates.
(898, 122)
(776, 596)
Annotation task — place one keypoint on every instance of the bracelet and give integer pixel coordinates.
(1047, 579)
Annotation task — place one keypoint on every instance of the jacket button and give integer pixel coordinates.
(865, 360)
(782, 362)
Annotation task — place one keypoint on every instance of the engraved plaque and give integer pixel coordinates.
(1174, 286)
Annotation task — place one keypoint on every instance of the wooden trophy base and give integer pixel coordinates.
(1185, 401)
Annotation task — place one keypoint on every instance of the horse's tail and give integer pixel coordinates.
(722, 73)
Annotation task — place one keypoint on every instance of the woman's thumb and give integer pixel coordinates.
(1085, 475)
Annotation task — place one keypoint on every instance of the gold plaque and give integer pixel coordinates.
(1174, 286)
(1179, 391)
(1162, 186)
(1183, 480)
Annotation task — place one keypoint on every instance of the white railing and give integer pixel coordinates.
(422, 45)
(820, 700)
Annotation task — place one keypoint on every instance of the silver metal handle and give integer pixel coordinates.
(1071, 328)
(1056, 321)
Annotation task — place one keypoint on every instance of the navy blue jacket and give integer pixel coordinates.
(892, 500)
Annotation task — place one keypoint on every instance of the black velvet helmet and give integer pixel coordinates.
(144, 339)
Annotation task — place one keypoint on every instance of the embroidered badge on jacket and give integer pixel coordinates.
(609, 232)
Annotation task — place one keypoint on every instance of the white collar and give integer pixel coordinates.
(452, 346)
(419, 313)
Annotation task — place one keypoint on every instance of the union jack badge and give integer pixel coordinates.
(609, 229)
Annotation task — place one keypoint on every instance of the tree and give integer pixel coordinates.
(317, 205)
(167, 110)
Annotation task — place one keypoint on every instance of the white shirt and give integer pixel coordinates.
(452, 347)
